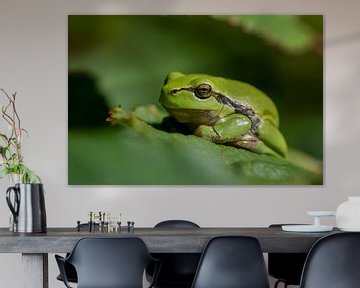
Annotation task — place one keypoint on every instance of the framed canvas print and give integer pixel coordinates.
(195, 100)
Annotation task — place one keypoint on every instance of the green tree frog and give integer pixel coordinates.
(224, 111)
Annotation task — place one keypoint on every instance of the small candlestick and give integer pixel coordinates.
(101, 221)
(78, 225)
(130, 226)
(90, 221)
(90, 216)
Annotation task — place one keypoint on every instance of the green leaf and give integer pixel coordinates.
(26, 132)
(4, 137)
(31, 177)
(286, 31)
(134, 152)
(27, 175)
(4, 172)
(150, 113)
(3, 151)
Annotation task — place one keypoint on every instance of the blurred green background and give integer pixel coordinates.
(123, 60)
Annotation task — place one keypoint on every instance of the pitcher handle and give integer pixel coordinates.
(13, 208)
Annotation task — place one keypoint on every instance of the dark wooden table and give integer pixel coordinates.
(35, 247)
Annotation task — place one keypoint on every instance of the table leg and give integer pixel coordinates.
(35, 270)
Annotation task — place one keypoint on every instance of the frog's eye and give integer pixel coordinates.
(203, 91)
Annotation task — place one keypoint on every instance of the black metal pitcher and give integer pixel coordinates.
(28, 207)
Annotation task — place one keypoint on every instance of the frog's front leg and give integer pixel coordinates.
(227, 129)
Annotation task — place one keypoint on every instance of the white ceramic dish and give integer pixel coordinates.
(316, 227)
(306, 228)
(350, 229)
(321, 213)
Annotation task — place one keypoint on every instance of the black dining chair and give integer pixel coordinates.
(333, 262)
(70, 271)
(108, 263)
(232, 262)
(178, 269)
(285, 267)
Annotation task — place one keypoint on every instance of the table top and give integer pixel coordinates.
(158, 240)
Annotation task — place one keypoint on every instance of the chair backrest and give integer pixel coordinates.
(333, 262)
(110, 262)
(178, 269)
(232, 262)
(287, 267)
(176, 224)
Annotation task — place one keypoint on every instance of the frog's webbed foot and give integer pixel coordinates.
(254, 144)
(248, 142)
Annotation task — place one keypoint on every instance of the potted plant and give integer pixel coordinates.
(25, 197)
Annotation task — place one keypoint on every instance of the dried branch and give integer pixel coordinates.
(10, 153)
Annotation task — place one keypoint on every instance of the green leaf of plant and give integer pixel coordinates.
(4, 137)
(27, 175)
(134, 152)
(3, 151)
(4, 172)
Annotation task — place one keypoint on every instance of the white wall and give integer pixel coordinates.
(33, 62)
